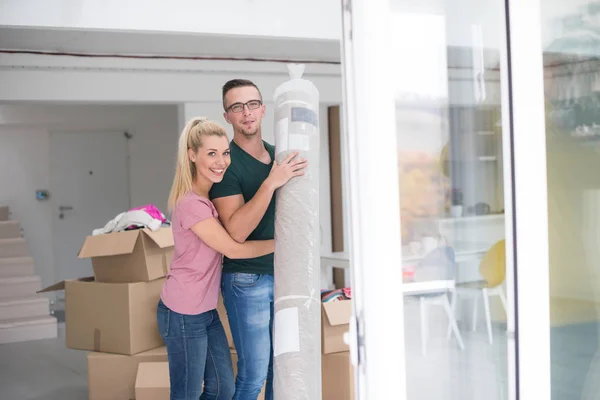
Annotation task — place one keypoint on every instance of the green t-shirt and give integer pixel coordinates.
(244, 176)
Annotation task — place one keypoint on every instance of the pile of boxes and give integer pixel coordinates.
(152, 381)
(113, 314)
(336, 369)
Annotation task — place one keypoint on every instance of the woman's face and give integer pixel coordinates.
(212, 158)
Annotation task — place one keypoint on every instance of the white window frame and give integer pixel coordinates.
(371, 168)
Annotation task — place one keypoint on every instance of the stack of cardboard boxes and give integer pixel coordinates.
(336, 367)
(113, 314)
(153, 376)
(337, 371)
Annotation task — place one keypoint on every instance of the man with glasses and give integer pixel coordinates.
(245, 202)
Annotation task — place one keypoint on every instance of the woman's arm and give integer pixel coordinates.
(213, 234)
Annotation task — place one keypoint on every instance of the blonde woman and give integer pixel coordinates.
(198, 353)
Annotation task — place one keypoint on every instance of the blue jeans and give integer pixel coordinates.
(198, 354)
(248, 300)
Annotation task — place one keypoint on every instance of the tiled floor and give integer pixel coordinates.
(43, 370)
(447, 372)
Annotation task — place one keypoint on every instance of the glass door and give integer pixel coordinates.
(449, 248)
(571, 54)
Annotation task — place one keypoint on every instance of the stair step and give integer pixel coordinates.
(15, 247)
(3, 212)
(16, 266)
(26, 329)
(24, 307)
(20, 286)
(10, 229)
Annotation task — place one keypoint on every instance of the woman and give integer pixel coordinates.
(188, 322)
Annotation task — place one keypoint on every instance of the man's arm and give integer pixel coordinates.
(240, 218)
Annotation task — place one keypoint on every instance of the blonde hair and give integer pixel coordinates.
(185, 170)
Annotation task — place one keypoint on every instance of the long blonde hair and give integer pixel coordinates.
(185, 170)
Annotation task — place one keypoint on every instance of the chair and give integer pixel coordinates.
(437, 264)
(492, 269)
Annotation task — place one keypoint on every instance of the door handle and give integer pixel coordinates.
(61, 210)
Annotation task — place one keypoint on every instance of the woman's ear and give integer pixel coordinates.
(192, 155)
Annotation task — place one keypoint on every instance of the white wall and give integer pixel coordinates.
(24, 158)
(306, 19)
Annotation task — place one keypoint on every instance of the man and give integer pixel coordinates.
(245, 202)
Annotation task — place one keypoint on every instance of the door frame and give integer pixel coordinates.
(529, 188)
(376, 339)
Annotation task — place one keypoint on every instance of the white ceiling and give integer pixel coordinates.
(168, 44)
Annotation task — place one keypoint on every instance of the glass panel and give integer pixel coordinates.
(571, 42)
(447, 57)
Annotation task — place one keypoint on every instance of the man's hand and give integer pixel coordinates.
(289, 168)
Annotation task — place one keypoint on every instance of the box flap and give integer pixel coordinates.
(162, 237)
(53, 288)
(338, 312)
(110, 244)
(61, 285)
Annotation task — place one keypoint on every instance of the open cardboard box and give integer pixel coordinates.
(335, 321)
(139, 255)
(115, 318)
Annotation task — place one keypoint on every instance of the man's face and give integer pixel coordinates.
(246, 121)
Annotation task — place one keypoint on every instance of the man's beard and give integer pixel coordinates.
(250, 132)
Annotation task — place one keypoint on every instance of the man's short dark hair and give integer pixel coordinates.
(236, 83)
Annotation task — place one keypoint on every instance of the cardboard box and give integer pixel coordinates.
(335, 321)
(152, 382)
(337, 377)
(139, 255)
(234, 360)
(3, 212)
(225, 321)
(112, 376)
(115, 318)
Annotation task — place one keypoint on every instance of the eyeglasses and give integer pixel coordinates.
(239, 107)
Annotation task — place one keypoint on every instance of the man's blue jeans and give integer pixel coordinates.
(198, 353)
(248, 300)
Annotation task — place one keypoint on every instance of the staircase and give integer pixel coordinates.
(24, 315)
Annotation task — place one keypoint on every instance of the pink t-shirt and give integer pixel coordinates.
(193, 282)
